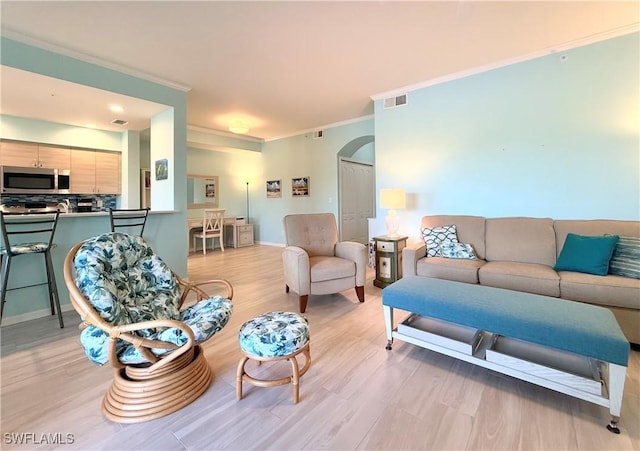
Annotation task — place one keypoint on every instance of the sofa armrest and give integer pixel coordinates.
(297, 272)
(410, 256)
(356, 252)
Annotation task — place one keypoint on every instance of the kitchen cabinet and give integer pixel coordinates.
(95, 172)
(25, 154)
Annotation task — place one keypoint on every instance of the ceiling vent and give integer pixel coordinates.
(318, 134)
(119, 122)
(393, 102)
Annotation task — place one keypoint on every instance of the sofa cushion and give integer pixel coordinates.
(615, 291)
(528, 277)
(470, 229)
(586, 254)
(449, 249)
(526, 240)
(625, 260)
(460, 270)
(435, 236)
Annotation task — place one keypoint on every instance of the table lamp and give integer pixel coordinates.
(392, 199)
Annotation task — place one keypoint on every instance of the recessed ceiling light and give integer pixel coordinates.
(116, 108)
(239, 127)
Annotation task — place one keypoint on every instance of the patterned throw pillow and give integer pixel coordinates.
(434, 236)
(625, 260)
(449, 249)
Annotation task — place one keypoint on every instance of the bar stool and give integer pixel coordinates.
(29, 233)
(130, 219)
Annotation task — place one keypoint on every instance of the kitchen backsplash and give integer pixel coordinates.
(107, 200)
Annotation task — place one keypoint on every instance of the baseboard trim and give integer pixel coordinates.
(22, 317)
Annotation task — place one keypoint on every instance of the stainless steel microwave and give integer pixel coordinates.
(26, 180)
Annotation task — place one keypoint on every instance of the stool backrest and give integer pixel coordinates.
(130, 219)
(28, 228)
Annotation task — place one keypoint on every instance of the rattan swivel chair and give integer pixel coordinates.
(131, 303)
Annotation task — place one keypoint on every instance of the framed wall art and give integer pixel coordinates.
(274, 188)
(162, 169)
(300, 187)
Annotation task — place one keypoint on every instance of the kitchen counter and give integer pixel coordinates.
(104, 213)
(33, 302)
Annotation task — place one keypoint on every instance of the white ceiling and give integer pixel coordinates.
(285, 67)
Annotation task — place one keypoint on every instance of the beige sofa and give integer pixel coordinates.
(519, 254)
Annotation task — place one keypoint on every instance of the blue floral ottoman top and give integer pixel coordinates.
(274, 334)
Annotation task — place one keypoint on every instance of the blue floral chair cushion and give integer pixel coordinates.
(274, 334)
(126, 282)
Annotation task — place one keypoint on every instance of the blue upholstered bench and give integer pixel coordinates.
(572, 327)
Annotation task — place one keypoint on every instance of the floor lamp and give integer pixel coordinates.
(247, 218)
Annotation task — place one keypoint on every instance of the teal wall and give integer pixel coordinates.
(27, 129)
(301, 156)
(540, 138)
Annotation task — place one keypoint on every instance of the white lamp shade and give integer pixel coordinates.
(393, 199)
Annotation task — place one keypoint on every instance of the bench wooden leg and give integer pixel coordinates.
(388, 322)
(617, 375)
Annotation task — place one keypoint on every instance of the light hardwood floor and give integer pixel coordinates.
(356, 395)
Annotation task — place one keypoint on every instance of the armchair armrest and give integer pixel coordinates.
(410, 256)
(297, 271)
(357, 253)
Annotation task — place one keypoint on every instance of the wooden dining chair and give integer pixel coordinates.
(212, 227)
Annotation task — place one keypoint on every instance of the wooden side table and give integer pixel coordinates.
(388, 259)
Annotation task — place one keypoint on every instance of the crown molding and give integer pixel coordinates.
(34, 42)
(213, 131)
(323, 127)
(591, 39)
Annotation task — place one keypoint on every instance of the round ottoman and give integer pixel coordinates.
(274, 336)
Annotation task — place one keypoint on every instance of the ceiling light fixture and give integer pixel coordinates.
(239, 127)
(116, 108)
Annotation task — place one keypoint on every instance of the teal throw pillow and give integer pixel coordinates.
(586, 254)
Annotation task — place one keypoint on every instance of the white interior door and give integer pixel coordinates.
(357, 200)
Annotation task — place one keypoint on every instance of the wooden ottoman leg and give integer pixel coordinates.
(295, 379)
(239, 376)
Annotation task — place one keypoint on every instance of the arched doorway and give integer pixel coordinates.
(356, 188)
